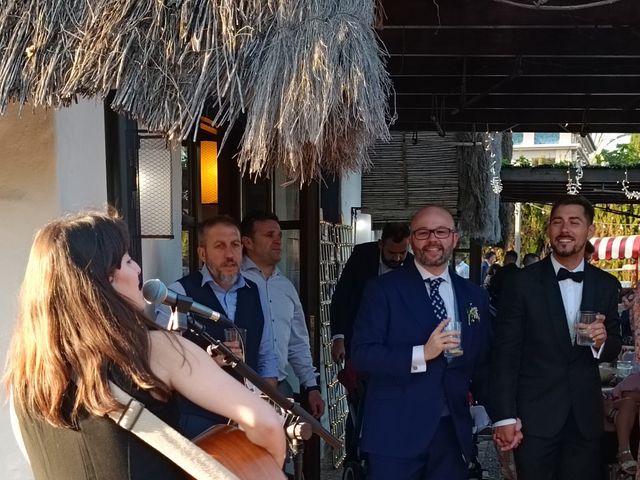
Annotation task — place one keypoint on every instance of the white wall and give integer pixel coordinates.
(80, 150)
(28, 198)
(52, 162)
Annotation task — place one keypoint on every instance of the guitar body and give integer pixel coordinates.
(231, 447)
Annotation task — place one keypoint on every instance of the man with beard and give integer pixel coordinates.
(368, 260)
(547, 402)
(220, 286)
(416, 421)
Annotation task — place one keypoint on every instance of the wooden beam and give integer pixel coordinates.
(521, 101)
(574, 42)
(399, 64)
(488, 12)
(524, 116)
(548, 126)
(519, 85)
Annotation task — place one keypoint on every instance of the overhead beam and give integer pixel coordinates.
(487, 12)
(520, 85)
(522, 101)
(614, 127)
(399, 64)
(524, 116)
(574, 42)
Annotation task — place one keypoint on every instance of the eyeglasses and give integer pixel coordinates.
(425, 233)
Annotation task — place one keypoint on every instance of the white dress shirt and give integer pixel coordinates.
(418, 362)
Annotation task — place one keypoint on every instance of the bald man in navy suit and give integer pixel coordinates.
(416, 421)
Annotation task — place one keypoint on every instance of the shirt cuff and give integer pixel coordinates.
(502, 423)
(418, 363)
(596, 354)
(336, 336)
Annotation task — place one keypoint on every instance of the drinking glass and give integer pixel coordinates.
(454, 325)
(236, 335)
(583, 328)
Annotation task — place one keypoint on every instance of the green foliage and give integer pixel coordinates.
(623, 155)
(533, 226)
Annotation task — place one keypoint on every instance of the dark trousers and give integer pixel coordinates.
(442, 461)
(566, 456)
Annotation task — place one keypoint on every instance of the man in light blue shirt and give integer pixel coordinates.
(261, 238)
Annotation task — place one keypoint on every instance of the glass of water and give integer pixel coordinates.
(583, 328)
(454, 326)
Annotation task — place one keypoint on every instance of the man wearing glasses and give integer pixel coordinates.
(416, 422)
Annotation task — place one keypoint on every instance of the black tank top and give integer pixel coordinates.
(97, 448)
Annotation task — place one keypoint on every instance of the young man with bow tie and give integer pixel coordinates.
(547, 402)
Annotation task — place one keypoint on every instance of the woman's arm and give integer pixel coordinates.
(186, 368)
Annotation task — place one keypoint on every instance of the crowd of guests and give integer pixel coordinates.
(420, 343)
(519, 356)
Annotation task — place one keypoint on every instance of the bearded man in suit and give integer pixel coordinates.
(416, 421)
(547, 402)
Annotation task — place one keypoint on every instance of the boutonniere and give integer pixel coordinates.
(473, 315)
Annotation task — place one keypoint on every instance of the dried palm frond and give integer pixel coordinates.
(309, 74)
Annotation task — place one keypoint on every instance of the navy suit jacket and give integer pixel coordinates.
(362, 266)
(402, 409)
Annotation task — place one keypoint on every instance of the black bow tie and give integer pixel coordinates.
(563, 274)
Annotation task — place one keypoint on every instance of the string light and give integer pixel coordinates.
(496, 181)
(574, 186)
(631, 195)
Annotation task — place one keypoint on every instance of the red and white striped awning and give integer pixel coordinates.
(616, 248)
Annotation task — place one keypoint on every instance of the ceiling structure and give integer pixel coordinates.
(545, 185)
(480, 65)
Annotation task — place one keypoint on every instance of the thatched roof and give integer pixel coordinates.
(308, 74)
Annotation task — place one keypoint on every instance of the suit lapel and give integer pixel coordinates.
(588, 289)
(557, 315)
(415, 295)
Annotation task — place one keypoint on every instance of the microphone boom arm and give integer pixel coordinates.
(247, 372)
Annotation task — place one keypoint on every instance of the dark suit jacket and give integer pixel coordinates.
(539, 375)
(498, 281)
(402, 409)
(361, 267)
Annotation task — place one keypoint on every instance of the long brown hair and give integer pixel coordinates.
(73, 326)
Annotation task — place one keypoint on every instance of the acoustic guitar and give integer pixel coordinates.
(231, 447)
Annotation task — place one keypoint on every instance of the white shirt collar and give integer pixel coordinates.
(425, 274)
(557, 265)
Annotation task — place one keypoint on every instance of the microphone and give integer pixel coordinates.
(154, 292)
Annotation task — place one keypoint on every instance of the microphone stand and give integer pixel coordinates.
(296, 431)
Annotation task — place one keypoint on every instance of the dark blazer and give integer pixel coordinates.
(498, 281)
(402, 409)
(539, 375)
(361, 267)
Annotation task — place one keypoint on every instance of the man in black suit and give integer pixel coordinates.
(502, 276)
(547, 402)
(367, 260)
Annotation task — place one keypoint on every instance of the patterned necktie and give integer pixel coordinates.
(436, 300)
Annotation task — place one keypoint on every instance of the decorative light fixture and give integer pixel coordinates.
(208, 172)
(496, 181)
(631, 195)
(155, 184)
